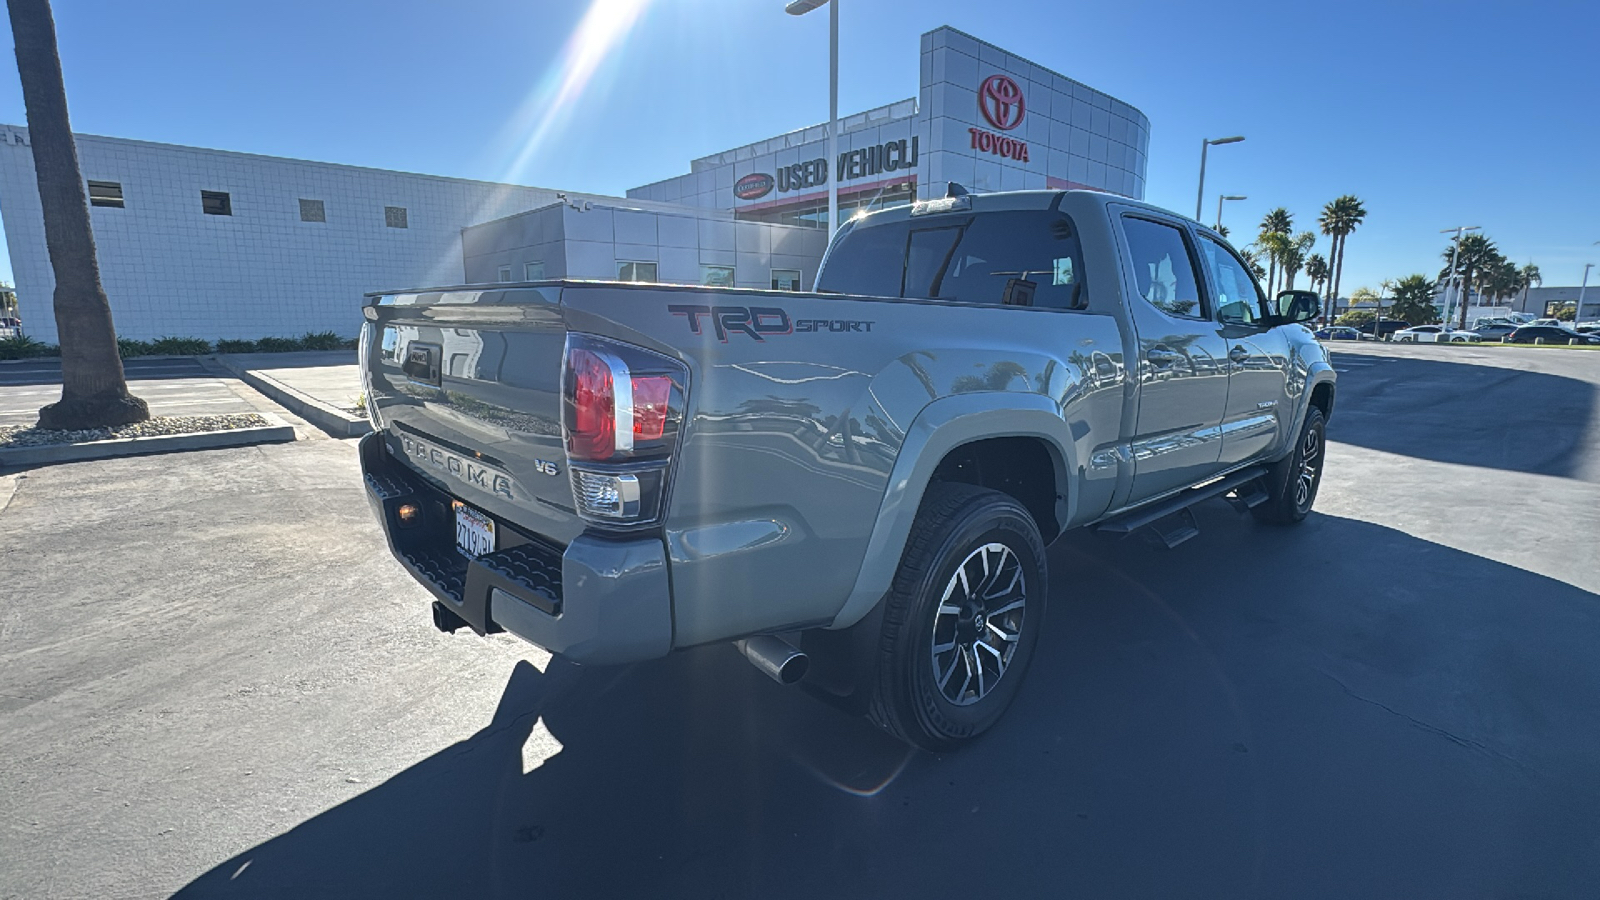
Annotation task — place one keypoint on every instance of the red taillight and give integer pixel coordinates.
(651, 396)
(593, 429)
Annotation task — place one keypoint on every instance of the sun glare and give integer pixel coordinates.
(601, 31)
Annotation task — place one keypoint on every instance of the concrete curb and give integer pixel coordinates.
(276, 431)
(336, 422)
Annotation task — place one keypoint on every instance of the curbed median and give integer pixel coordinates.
(28, 446)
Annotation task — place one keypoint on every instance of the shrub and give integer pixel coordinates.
(229, 346)
(278, 345)
(1356, 318)
(177, 346)
(322, 340)
(127, 347)
(23, 347)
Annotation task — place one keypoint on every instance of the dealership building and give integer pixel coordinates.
(218, 244)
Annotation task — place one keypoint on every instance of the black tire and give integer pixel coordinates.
(1293, 481)
(958, 527)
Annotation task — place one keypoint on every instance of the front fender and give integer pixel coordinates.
(940, 427)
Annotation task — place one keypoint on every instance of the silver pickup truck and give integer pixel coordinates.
(855, 485)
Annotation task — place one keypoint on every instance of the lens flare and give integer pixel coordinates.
(601, 31)
(549, 105)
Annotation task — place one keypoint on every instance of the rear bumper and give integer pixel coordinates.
(598, 601)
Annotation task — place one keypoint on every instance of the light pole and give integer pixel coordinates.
(1384, 287)
(1220, 198)
(1205, 144)
(1577, 311)
(800, 8)
(1455, 251)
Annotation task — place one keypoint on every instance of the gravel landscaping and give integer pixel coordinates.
(29, 436)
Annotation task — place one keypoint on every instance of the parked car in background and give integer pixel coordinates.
(1339, 333)
(1495, 331)
(1436, 334)
(1552, 323)
(1386, 328)
(1587, 328)
(1550, 334)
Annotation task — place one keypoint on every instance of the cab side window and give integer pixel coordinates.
(1017, 258)
(1163, 270)
(1239, 298)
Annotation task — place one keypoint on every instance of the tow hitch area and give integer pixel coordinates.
(445, 620)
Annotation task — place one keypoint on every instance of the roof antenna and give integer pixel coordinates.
(955, 190)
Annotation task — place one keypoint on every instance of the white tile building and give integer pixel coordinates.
(985, 118)
(216, 244)
(302, 241)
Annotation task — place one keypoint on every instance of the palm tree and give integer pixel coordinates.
(1471, 255)
(1340, 218)
(1317, 271)
(1294, 257)
(1413, 301)
(1253, 260)
(94, 390)
(1277, 222)
(1273, 245)
(1528, 276)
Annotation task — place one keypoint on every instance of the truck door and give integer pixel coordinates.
(1182, 358)
(1258, 359)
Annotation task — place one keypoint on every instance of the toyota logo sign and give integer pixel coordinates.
(1000, 101)
(753, 186)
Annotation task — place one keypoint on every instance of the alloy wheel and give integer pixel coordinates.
(978, 623)
(1310, 467)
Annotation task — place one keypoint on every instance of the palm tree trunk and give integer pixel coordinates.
(1338, 269)
(94, 390)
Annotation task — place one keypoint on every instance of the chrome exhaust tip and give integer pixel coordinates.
(777, 658)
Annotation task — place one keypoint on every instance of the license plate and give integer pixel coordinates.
(474, 530)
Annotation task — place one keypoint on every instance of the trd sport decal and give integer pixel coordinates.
(760, 322)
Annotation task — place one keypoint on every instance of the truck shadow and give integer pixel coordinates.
(1467, 414)
(1416, 715)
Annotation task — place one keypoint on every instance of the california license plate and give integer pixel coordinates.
(474, 530)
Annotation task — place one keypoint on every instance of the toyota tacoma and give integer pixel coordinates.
(855, 485)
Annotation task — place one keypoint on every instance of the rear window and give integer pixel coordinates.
(1022, 258)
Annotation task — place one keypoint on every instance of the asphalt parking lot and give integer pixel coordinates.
(215, 682)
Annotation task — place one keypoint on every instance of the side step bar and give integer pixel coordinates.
(1183, 526)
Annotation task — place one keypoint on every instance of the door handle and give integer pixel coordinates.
(1161, 356)
(1238, 354)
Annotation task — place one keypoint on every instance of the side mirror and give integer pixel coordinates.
(1295, 306)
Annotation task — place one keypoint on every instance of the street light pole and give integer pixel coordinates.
(1220, 198)
(1205, 143)
(1577, 311)
(800, 8)
(1449, 304)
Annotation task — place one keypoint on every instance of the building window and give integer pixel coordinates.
(216, 203)
(313, 211)
(786, 279)
(636, 271)
(505, 274)
(533, 271)
(395, 216)
(105, 193)
(716, 276)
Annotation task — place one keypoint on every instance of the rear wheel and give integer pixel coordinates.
(962, 618)
(1292, 483)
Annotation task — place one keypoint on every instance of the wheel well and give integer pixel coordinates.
(1022, 467)
(1322, 398)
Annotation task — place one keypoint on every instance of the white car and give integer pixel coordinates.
(1436, 334)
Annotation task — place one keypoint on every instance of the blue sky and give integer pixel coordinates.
(1434, 114)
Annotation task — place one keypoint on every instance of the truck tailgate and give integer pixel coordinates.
(467, 387)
